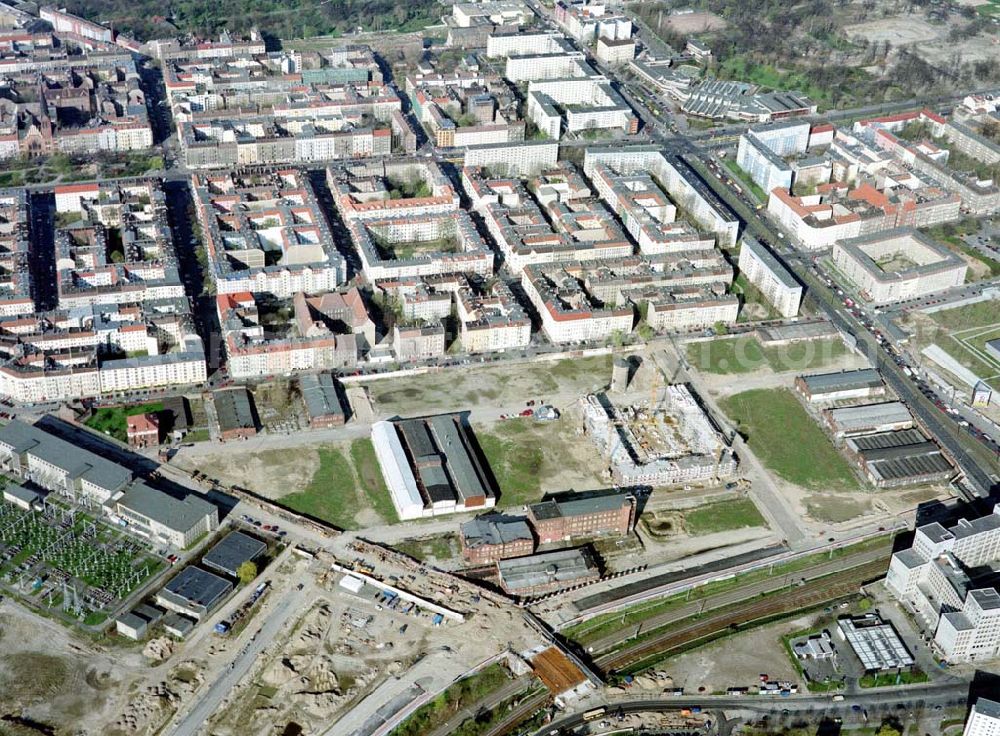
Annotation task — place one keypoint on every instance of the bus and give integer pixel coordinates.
(593, 715)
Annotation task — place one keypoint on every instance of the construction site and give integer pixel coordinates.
(667, 441)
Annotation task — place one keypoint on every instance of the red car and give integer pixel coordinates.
(526, 413)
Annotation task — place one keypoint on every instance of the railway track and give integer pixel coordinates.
(520, 714)
(812, 593)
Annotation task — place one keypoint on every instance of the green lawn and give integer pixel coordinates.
(980, 314)
(745, 354)
(787, 440)
(371, 481)
(331, 494)
(515, 462)
(110, 420)
(722, 516)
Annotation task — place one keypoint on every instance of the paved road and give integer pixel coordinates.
(929, 695)
(213, 697)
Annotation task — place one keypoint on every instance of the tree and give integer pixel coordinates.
(888, 729)
(247, 571)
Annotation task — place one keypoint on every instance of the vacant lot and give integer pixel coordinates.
(506, 386)
(744, 355)
(963, 333)
(898, 31)
(530, 458)
(111, 420)
(340, 483)
(787, 440)
(723, 516)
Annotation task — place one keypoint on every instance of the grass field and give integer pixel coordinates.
(370, 480)
(440, 547)
(722, 516)
(110, 420)
(331, 495)
(787, 440)
(528, 458)
(745, 354)
(964, 332)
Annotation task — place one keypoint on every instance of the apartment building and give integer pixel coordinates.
(984, 718)
(16, 288)
(775, 282)
(418, 342)
(266, 233)
(524, 159)
(686, 308)
(677, 179)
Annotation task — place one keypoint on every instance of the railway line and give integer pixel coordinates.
(804, 596)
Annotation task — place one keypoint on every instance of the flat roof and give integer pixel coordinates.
(492, 529)
(163, 508)
(770, 261)
(196, 588)
(987, 707)
(875, 642)
(20, 493)
(232, 551)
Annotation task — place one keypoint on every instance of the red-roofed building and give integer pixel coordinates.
(143, 430)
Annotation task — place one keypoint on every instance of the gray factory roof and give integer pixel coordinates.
(443, 457)
(232, 405)
(232, 551)
(565, 566)
(885, 440)
(819, 383)
(494, 529)
(196, 589)
(319, 393)
(21, 493)
(75, 461)
(851, 418)
(553, 509)
(901, 465)
(174, 513)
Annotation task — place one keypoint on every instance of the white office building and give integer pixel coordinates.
(932, 579)
(984, 719)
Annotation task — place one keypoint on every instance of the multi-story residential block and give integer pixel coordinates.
(839, 212)
(897, 265)
(265, 233)
(73, 105)
(282, 108)
(404, 219)
(524, 159)
(675, 176)
(257, 344)
(932, 578)
(574, 226)
(64, 22)
(686, 308)
(984, 718)
(418, 342)
(615, 51)
(16, 289)
(766, 272)
(489, 317)
(559, 520)
(583, 103)
(465, 109)
(168, 49)
(569, 311)
(113, 244)
(589, 21)
(516, 43)
(647, 213)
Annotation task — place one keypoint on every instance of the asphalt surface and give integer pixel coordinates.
(216, 693)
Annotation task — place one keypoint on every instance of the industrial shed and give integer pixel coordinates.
(232, 551)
